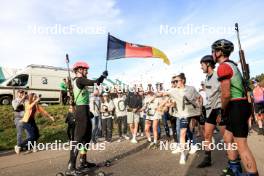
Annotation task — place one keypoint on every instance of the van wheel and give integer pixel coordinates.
(6, 100)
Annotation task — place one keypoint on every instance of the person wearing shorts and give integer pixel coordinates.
(236, 109)
(174, 120)
(258, 94)
(188, 100)
(133, 103)
(150, 105)
(212, 107)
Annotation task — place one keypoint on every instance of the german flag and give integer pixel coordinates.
(117, 49)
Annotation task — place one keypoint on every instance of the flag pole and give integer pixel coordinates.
(106, 65)
(107, 50)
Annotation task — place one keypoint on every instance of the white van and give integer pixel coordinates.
(40, 79)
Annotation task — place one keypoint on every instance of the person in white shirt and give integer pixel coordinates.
(121, 115)
(212, 106)
(149, 108)
(188, 102)
(107, 108)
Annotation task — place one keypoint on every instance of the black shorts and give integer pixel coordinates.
(259, 108)
(213, 115)
(237, 115)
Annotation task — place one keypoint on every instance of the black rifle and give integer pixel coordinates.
(245, 71)
(69, 82)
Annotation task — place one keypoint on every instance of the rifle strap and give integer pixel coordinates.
(75, 99)
(77, 96)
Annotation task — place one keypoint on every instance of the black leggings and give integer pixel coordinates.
(83, 125)
(70, 131)
(83, 131)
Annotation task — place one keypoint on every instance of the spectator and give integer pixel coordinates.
(95, 104)
(31, 108)
(121, 114)
(19, 108)
(107, 108)
(134, 105)
(258, 93)
(63, 88)
(70, 120)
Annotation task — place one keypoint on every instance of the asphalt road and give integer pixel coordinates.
(127, 160)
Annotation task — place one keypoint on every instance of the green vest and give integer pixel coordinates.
(237, 89)
(81, 96)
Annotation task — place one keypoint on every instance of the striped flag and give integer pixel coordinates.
(117, 49)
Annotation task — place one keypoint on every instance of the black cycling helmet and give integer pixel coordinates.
(223, 45)
(208, 59)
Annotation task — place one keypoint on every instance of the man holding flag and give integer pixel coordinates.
(83, 128)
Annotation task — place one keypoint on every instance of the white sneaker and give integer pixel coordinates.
(137, 134)
(142, 134)
(126, 137)
(119, 140)
(183, 158)
(34, 150)
(17, 149)
(134, 141)
(194, 149)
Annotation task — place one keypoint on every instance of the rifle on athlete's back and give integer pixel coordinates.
(69, 82)
(245, 71)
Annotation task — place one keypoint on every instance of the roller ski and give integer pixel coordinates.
(86, 169)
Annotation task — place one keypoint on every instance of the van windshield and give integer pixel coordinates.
(20, 80)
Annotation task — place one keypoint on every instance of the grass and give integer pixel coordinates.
(49, 131)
